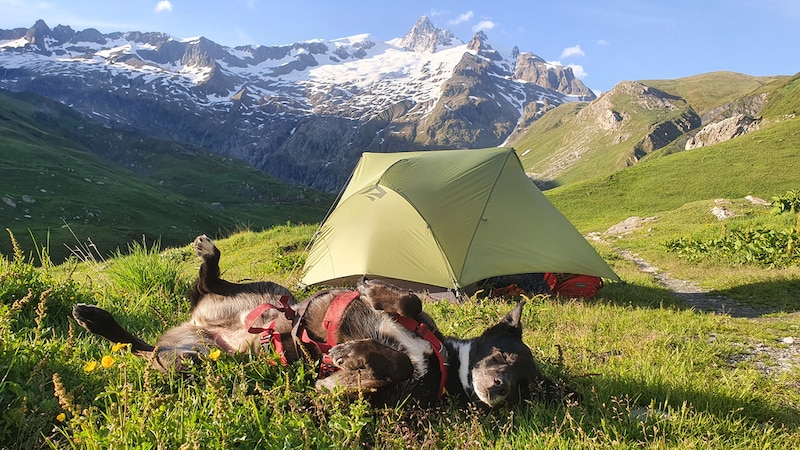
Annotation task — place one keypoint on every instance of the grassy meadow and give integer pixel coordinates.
(654, 373)
(65, 181)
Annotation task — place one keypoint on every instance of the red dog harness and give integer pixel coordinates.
(268, 335)
(331, 323)
(426, 333)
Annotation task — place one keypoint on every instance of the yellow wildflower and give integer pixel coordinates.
(118, 346)
(90, 366)
(61, 417)
(214, 354)
(107, 361)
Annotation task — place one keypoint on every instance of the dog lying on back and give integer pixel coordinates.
(382, 344)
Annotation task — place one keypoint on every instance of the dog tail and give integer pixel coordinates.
(100, 322)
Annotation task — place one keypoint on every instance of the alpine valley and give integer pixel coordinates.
(302, 112)
(113, 133)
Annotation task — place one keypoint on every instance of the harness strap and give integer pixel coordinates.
(331, 322)
(270, 337)
(256, 313)
(426, 333)
(333, 316)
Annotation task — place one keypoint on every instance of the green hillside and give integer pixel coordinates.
(763, 163)
(577, 142)
(60, 174)
(605, 136)
(710, 90)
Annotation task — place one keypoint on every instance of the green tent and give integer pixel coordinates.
(446, 218)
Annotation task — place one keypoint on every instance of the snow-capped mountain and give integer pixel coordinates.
(303, 112)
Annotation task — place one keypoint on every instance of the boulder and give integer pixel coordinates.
(724, 130)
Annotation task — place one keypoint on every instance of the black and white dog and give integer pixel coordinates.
(375, 339)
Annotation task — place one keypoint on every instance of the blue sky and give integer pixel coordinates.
(606, 41)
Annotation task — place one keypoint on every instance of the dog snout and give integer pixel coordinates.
(500, 387)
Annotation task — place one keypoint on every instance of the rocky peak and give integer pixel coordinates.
(63, 33)
(533, 69)
(478, 42)
(38, 33)
(425, 37)
(203, 53)
(90, 35)
(479, 45)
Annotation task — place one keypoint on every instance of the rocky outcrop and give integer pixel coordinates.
(722, 131)
(748, 106)
(425, 37)
(534, 69)
(662, 133)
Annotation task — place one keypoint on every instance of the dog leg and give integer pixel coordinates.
(209, 274)
(366, 364)
(176, 350)
(100, 322)
(367, 353)
(386, 297)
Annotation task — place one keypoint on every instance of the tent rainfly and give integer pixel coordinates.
(445, 218)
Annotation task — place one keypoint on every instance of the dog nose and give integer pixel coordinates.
(500, 387)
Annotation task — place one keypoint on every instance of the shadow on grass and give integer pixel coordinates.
(758, 299)
(627, 413)
(672, 402)
(775, 296)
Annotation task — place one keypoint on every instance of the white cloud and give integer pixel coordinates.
(483, 25)
(572, 51)
(163, 5)
(603, 42)
(464, 17)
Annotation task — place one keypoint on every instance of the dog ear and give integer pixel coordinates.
(510, 324)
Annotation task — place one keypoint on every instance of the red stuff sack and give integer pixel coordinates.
(572, 285)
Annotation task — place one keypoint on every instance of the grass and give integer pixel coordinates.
(595, 145)
(653, 373)
(64, 178)
(710, 90)
(732, 169)
(680, 189)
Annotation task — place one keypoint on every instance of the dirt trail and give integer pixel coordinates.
(784, 356)
(687, 291)
(691, 293)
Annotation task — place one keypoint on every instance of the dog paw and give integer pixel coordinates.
(390, 298)
(91, 317)
(348, 355)
(203, 246)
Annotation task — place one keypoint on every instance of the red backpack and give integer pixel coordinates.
(572, 285)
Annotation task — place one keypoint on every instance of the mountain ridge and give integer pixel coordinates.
(302, 112)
